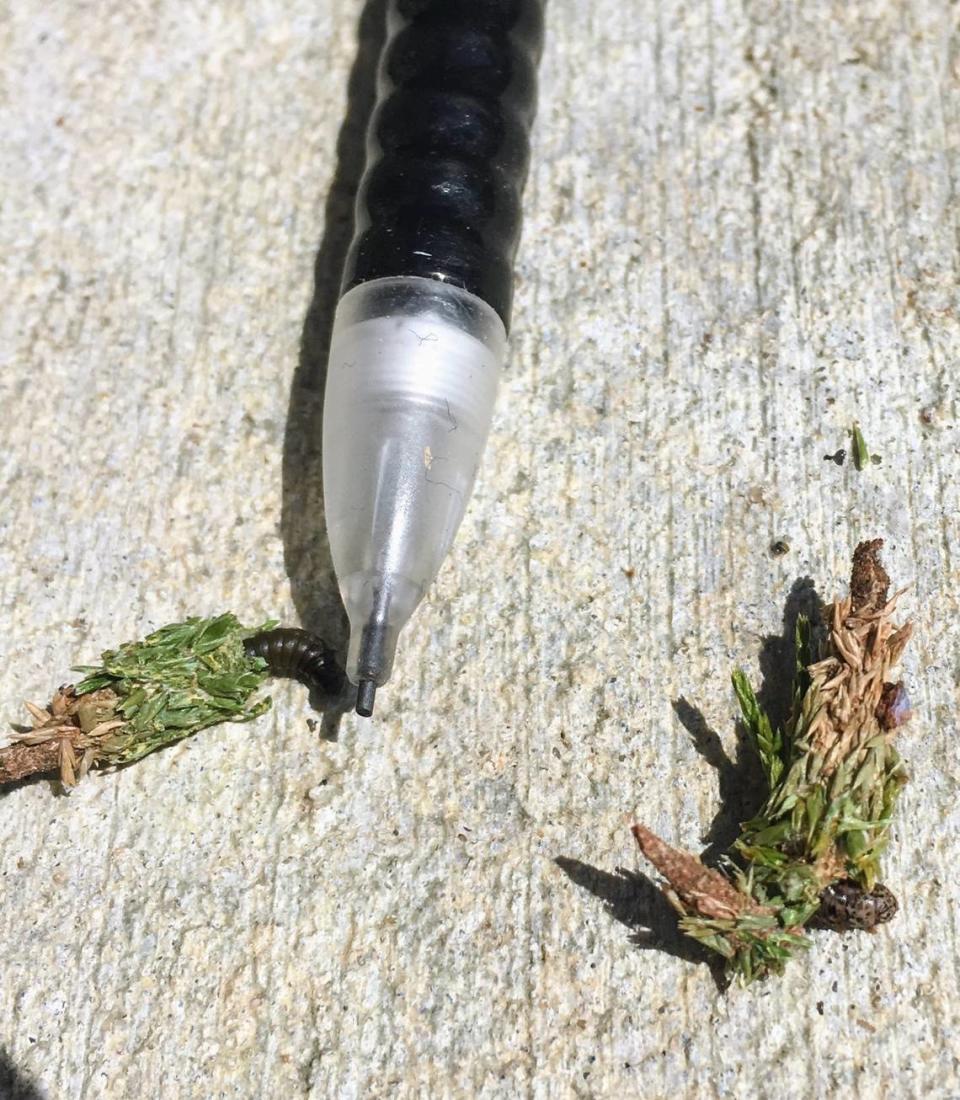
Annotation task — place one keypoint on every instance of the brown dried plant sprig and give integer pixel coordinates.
(833, 776)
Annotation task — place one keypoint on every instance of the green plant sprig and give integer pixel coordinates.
(832, 777)
(143, 696)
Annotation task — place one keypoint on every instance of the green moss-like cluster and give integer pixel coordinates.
(833, 777)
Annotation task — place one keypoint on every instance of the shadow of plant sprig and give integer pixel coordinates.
(14, 1083)
(636, 901)
(742, 785)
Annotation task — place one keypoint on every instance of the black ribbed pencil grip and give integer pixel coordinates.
(449, 146)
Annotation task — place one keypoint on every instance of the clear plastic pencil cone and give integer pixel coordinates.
(411, 383)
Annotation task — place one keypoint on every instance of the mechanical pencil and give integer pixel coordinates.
(419, 336)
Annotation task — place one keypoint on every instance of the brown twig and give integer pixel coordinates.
(66, 737)
(20, 761)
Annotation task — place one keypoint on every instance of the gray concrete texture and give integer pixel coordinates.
(741, 236)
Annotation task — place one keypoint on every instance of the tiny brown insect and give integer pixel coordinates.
(846, 907)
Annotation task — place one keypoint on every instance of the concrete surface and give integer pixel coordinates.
(741, 236)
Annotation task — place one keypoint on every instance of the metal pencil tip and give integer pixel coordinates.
(366, 694)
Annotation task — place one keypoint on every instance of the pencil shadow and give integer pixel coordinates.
(14, 1083)
(306, 548)
(635, 901)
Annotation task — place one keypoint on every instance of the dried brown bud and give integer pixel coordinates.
(893, 710)
(701, 889)
(869, 583)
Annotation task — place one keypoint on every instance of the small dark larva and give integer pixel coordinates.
(298, 655)
(846, 907)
